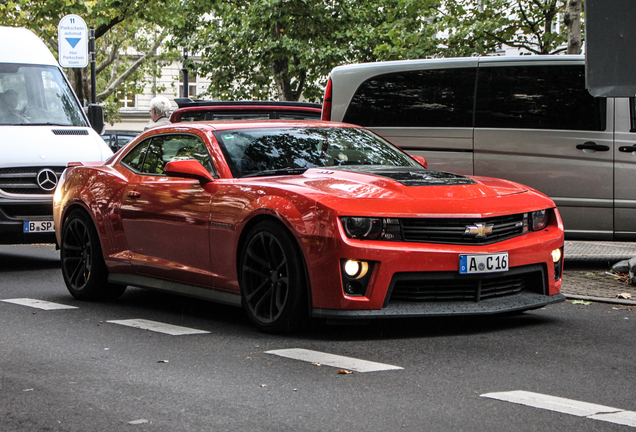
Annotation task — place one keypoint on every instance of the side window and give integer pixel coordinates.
(433, 98)
(166, 148)
(632, 114)
(135, 157)
(537, 97)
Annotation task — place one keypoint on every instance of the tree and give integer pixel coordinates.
(284, 49)
(125, 34)
(572, 20)
(483, 26)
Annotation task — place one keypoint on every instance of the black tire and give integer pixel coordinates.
(83, 266)
(272, 279)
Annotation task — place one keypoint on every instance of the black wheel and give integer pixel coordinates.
(83, 266)
(272, 279)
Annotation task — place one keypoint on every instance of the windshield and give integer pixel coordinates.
(266, 151)
(33, 94)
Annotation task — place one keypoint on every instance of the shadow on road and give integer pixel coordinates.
(32, 257)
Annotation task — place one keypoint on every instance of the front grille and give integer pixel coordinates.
(23, 180)
(453, 231)
(70, 131)
(24, 211)
(451, 286)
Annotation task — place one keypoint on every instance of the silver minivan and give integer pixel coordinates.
(528, 119)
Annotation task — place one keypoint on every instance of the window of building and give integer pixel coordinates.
(192, 86)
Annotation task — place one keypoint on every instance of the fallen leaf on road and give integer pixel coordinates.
(316, 364)
(581, 302)
(625, 296)
(162, 361)
(344, 372)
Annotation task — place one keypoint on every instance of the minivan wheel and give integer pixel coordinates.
(83, 266)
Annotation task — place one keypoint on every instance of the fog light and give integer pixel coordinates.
(556, 255)
(356, 269)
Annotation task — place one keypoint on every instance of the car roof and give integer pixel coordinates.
(205, 126)
(187, 102)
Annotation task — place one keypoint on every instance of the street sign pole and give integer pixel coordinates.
(91, 49)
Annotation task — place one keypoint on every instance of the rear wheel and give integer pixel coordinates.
(273, 287)
(83, 266)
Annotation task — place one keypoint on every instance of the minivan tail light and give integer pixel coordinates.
(326, 104)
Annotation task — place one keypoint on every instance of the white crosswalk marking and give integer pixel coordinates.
(567, 406)
(326, 359)
(39, 304)
(155, 326)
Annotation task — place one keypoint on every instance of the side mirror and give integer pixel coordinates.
(188, 169)
(421, 160)
(96, 118)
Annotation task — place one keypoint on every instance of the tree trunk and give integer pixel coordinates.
(572, 20)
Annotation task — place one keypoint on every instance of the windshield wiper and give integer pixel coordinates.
(280, 171)
(47, 124)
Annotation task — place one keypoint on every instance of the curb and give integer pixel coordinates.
(601, 300)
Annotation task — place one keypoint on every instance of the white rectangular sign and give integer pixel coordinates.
(72, 42)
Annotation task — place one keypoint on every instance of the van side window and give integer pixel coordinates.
(632, 114)
(434, 98)
(537, 97)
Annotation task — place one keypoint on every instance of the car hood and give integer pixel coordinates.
(31, 145)
(399, 191)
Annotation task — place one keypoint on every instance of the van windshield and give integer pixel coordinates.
(36, 95)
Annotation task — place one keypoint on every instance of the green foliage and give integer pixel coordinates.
(484, 26)
(284, 49)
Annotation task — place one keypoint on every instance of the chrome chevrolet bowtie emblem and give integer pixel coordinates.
(479, 230)
(47, 180)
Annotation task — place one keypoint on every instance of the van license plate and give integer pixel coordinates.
(38, 226)
(483, 263)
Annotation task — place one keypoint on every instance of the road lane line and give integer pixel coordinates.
(158, 327)
(567, 406)
(38, 304)
(327, 359)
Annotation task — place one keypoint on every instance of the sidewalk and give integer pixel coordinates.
(586, 268)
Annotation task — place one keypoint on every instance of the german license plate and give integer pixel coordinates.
(483, 263)
(38, 226)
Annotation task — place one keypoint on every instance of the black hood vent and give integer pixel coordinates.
(70, 131)
(413, 176)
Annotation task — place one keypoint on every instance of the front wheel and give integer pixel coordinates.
(272, 279)
(83, 266)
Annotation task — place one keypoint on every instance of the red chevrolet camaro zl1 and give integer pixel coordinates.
(297, 219)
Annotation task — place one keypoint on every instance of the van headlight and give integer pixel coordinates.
(539, 219)
(372, 228)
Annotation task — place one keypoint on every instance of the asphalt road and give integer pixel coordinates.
(73, 370)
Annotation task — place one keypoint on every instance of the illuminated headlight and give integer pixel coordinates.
(539, 219)
(372, 228)
(356, 269)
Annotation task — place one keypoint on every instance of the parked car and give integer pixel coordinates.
(528, 119)
(190, 110)
(118, 139)
(295, 219)
(42, 128)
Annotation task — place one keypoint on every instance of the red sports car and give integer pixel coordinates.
(296, 219)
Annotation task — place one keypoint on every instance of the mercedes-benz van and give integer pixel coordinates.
(529, 119)
(42, 128)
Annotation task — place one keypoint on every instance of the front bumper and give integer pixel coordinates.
(13, 214)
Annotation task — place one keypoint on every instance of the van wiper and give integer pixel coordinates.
(280, 171)
(46, 124)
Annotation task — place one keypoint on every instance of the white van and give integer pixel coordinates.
(42, 128)
(527, 118)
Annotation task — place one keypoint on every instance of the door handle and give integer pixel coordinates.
(133, 194)
(627, 149)
(592, 146)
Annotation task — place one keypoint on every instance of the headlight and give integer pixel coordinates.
(539, 219)
(372, 228)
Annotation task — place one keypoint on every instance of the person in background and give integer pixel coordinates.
(159, 111)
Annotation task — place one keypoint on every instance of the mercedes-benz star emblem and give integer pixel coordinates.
(47, 180)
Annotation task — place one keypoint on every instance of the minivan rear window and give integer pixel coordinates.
(537, 97)
(424, 98)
